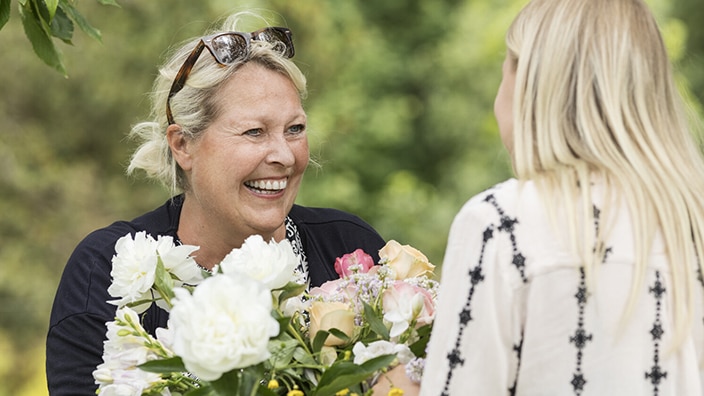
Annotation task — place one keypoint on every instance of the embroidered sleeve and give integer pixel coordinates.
(476, 343)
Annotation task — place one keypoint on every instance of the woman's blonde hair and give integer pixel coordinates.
(196, 105)
(595, 98)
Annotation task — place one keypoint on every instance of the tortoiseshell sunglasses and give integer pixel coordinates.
(227, 48)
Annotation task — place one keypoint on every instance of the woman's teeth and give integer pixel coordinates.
(266, 186)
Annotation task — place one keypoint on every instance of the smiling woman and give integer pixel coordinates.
(228, 138)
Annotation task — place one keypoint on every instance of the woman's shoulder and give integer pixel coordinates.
(502, 199)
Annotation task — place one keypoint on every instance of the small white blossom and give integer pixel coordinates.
(270, 263)
(363, 353)
(125, 349)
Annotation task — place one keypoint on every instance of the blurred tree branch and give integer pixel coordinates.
(44, 20)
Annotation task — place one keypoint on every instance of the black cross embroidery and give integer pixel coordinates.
(656, 373)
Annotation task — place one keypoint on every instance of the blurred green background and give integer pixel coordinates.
(400, 118)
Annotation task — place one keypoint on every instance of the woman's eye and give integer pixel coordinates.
(298, 128)
(253, 132)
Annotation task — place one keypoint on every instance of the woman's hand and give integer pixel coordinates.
(396, 378)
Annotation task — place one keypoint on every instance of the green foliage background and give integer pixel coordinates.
(400, 111)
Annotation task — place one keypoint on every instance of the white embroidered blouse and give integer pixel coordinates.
(514, 316)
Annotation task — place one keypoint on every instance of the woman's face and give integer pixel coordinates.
(503, 104)
(246, 167)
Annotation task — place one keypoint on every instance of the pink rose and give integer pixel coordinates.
(328, 289)
(405, 303)
(355, 262)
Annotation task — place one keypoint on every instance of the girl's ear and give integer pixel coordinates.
(180, 146)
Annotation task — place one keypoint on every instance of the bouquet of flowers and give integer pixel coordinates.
(250, 326)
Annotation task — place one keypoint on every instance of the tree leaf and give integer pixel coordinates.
(79, 20)
(109, 2)
(51, 6)
(61, 26)
(41, 40)
(4, 12)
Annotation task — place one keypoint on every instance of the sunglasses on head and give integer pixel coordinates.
(227, 48)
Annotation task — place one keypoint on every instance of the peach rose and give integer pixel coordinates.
(405, 260)
(329, 315)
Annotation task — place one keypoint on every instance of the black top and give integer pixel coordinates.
(77, 328)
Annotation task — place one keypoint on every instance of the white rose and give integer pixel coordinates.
(270, 263)
(225, 324)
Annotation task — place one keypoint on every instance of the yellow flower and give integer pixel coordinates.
(343, 392)
(273, 384)
(395, 392)
(295, 392)
(405, 260)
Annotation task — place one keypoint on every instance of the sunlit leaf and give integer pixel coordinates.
(41, 40)
(61, 26)
(51, 6)
(4, 12)
(79, 20)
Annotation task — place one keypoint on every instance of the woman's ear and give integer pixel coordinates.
(180, 146)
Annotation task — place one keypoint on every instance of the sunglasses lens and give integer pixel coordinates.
(227, 48)
(280, 38)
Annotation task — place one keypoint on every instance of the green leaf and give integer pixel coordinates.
(163, 282)
(109, 2)
(228, 384)
(281, 352)
(164, 366)
(319, 340)
(418, 347)
(339, 334)
(300, 355)
(61, 26)
(292, 289)
(41, 40)
(4, 12)
(79, 20)
(202, 391)
(51, 6)
(375, 323)
(344, 374)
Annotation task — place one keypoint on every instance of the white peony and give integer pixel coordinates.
(270, 263)
(177, 260)
(134, 268)
(225, 324)
(363, 353)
